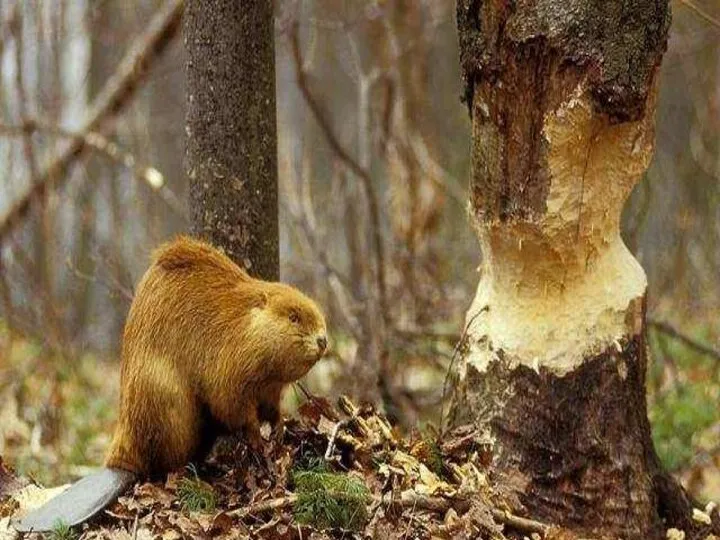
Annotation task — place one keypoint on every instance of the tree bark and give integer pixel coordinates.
(562, 97)
(231, 129)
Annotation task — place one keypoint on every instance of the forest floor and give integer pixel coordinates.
(330, 471)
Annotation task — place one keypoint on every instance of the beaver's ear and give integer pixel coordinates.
(263, 299)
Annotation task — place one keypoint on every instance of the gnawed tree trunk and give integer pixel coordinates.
(231, 127)
(562, 98)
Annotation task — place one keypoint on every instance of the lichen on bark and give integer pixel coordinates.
(619, 43)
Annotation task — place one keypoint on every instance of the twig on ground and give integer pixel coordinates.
(267, 526)
(442, 505)
(412, 518)
(264, 506)
(408, 499)
(349, 408)
(519, 523)
(333, 437)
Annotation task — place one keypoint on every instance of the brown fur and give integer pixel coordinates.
(205, 345)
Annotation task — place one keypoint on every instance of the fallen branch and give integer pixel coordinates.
(519, 523)
(670, 330)
(264, 506)
(113, 96)
(408, 499)
(411, 499)
(349, 408)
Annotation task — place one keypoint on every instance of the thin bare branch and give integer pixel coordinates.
(670, 330)
(112, 285)
(434, 171)
(6, 303)
(350, 162)
(458, 348)
(8, 24)
(151, 176)
(338, 282)
(114, 96)
(41, 269)
(690, 4)
(417, 334)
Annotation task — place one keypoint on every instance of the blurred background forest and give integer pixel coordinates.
(383, 83)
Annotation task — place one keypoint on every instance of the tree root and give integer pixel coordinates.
(676, 507)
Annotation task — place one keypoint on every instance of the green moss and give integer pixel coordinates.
(433, 458)
(196, 495)
(330, 500)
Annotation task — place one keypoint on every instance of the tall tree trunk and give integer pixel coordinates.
(231, 130)
(562, 97)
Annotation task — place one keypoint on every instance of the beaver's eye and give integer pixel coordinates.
(294, 317)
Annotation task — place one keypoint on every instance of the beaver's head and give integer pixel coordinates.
(296, 328)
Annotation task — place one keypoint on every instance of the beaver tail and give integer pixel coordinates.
(80, 502)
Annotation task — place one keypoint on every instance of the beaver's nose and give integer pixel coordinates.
(322, 342)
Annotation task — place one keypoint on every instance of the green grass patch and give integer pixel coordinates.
(330, 500)
(196, 495)
(677, 416)
(62, 531)
(681, 413)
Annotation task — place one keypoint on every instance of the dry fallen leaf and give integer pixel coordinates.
(9, 481)
(7, 532)
(187, 525)
(32, 497)
(149, 495)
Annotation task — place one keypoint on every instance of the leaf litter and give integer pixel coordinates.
(334, 472)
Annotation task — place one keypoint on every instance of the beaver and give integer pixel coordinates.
(206, 349)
